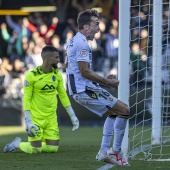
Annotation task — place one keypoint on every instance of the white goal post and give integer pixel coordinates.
(144, 74)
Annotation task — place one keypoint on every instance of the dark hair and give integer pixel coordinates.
(48, 48)
(84, 17)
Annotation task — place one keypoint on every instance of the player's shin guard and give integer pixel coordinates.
(119, 130)
(107, 133)
(27, 148)
(49, 148)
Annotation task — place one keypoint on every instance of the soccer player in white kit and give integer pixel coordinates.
(84, 87)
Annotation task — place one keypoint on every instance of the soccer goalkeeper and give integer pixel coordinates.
(40, 104)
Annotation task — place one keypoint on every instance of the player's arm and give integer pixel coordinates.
(66, 102)
(83, 59)
(91, 75)
(28, 91)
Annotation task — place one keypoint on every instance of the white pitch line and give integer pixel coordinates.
(106, 167)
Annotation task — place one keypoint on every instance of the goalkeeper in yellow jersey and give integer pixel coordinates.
(41, 86)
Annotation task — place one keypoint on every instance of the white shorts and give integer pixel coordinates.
(99, 101)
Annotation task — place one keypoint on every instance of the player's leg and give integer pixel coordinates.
(51, 136)
(31, 147)
(50, 146)
(27, 147)
(108, 130)
(34, 144)
(99, 102)
(122, 111)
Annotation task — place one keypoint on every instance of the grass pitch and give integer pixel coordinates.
(77, 151)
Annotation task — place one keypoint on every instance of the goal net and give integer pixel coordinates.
(149, 97)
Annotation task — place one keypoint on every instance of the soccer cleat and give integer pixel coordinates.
(12, 146)
(117, 158)
(104, 158)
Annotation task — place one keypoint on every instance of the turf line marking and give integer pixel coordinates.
(106, 167)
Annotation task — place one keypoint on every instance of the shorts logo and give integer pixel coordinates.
(93, 96)
(83, 53)
(26, 83)
(111, 99)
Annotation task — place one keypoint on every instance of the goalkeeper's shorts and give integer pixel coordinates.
(48, 129)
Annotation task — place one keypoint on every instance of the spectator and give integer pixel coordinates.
(97, 47)
(138, 63)
(20, 28)
(48, 32)
(81, 5)
(107, 8)
(14, 49)
(111, 47)
(56, 43)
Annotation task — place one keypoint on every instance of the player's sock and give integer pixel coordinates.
(27, 148)
(107, 133)
(49, 148)
(119, 130)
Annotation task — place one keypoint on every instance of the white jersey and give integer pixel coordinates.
(78, 50)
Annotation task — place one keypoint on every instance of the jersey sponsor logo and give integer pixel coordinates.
(26, 83)
(48, 88)
(53, 78)
(83, 53)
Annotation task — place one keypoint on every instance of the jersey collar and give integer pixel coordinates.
(82, 36)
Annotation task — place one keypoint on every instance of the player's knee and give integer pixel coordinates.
(52, 149)
(126, 112)
(112, 116)
(123, 116)
(36, 149)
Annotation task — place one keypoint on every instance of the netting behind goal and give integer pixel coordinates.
(149, 125)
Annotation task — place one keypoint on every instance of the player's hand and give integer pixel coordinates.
(111, 76)
(75, 123)
(112, 81)
(29, 125)
(30, 129)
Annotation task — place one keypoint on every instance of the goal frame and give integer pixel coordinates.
(124, 70)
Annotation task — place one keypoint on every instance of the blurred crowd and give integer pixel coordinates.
(22, 39)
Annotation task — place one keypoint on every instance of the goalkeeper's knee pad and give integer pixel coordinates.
(36, 150)
(51, 149)
(27, 148)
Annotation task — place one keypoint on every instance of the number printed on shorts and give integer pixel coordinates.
(104, 94)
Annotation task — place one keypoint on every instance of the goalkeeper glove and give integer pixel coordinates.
(29, 126)
(74, 119)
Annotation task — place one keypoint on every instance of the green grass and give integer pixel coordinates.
(77, 151)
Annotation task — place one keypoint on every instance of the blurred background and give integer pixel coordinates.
(26, 26)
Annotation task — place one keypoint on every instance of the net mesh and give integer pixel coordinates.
(141, 57)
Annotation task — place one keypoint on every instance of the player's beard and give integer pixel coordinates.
(54, 65)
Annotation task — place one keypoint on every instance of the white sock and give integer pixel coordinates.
(119, 130)
(107, 134)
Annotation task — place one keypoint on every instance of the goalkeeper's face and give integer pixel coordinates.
(54, 59)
